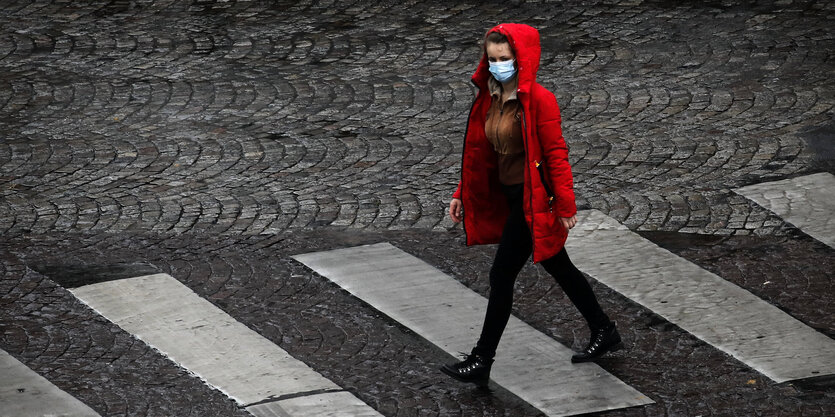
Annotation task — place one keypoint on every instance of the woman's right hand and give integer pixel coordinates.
(456, 210)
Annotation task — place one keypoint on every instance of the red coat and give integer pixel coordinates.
(549, 186)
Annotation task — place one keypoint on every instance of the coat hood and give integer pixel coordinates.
(524, 41)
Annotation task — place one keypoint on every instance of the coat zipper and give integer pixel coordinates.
(501, 113)
(530, 195)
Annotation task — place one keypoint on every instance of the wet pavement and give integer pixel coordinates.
(213, 140)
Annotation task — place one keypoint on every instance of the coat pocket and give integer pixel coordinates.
(540, 166)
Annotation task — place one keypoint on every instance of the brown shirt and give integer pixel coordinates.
(504, 131)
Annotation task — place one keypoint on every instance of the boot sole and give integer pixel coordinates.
(479, 382)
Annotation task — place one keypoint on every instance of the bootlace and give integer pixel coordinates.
(469, 358)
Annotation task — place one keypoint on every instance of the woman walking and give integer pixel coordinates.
(517, 189)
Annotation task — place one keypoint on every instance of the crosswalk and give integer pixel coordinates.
(266, 381)
(24, 393)
(807, 202)
(722, 314)
(534, 367)
(229, 356)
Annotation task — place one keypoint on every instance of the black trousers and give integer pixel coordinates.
(514, 250)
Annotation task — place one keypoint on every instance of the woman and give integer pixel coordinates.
(516, 189)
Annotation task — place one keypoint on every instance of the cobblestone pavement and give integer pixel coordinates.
(383, 363)
(214, 139)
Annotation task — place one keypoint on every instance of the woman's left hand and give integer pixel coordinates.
(568, 222)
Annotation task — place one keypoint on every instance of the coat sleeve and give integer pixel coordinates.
(457, 193)
(555, 153)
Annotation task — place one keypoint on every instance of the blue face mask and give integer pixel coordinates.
(503, 71)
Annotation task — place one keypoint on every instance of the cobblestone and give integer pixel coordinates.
(106, 103)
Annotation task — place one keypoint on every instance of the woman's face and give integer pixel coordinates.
(498, 52)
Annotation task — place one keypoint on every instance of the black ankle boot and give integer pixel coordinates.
(602, 340)
(474, 368)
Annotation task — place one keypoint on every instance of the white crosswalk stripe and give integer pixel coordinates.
(807, 202)
(24, 393)
(198, 336)
(700, 302)
(534, 367)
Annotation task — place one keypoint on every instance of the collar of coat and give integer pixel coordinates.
(496, 89)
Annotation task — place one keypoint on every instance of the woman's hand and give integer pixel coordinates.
(456, 209)
(568, 222)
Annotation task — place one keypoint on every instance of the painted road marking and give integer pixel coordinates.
(24, 393)
(315, 405)
(711, 308)
(229, 356)
(534, 367)
(807, 202)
